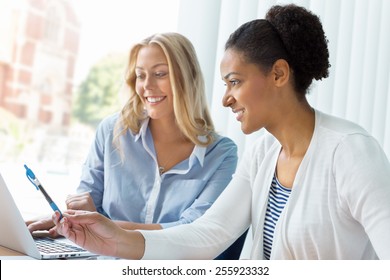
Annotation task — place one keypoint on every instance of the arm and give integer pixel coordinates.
(362, 173)
(133, 226)
(93, 170)
(92, 177)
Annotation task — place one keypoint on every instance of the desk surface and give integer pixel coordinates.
(8, 252)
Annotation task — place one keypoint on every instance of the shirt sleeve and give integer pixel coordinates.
(224, 162)
(92, 176)
(362, 173)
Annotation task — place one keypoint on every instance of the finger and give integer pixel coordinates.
(41, 225)
(56, 217)
(77, 196)
(66, 230)
(71, 212)
(83, 217)
(37, 219)
(53, 232)
(81, 202)
(76, 199)
(62, 227)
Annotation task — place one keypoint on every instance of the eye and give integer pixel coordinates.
(139, 76)
(161, 74)
(234, 82)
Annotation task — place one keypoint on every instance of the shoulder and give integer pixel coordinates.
(351, 144)
(222, 143)
(342, 134)
(105, 128)
(108, 123)
(338, 126)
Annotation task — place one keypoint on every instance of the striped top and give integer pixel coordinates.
(277, 199)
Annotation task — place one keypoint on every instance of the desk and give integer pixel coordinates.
(8, 252)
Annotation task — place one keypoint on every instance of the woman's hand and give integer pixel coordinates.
(98, 234)
(42, 223)
(89, 230)
(80, 201)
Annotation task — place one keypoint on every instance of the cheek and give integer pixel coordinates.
(165, 86)
(248, 96)
(166, 89)
(139, 89)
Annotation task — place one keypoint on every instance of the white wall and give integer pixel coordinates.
(358, 87)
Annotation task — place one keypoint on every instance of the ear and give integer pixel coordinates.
(281, 72)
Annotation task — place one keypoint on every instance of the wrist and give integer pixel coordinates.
(130, 244)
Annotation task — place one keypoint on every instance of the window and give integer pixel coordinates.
(53, 25)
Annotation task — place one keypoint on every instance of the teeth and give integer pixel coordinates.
(154, 99)
(239, 113)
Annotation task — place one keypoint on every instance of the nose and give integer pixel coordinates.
(149, 82)
(228, 100)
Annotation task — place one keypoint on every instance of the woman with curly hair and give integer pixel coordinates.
(313, 186)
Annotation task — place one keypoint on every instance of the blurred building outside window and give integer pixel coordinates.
(61, 69)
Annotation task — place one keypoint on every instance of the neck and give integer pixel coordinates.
(170, 144)
(165, 131)
(294, 128)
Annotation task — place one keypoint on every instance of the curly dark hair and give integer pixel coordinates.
(291, 33)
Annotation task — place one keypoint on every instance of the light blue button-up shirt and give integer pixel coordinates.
(132, 189)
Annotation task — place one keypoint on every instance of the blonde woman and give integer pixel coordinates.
(159, 162)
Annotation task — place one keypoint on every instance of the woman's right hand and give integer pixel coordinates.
(98, 234)
(89, 230)
(80, 201)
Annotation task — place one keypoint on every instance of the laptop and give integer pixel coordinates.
(15, 235)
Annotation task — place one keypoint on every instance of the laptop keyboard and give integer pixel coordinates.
(48, 245)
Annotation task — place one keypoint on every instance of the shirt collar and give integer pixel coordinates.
(142, 131)
(199, 152)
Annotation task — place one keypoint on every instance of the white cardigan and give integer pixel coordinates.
(339, 207)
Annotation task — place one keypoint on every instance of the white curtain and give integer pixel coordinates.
(358, 87)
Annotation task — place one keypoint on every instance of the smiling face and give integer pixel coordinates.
(249, 92)
(152, 82)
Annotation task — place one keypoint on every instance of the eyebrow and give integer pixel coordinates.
(229, 74)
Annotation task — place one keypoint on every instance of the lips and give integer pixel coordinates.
(239, 114)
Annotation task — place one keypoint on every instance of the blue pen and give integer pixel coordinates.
(34, 180)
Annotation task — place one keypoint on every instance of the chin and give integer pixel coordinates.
(246, 131)
(249, 130)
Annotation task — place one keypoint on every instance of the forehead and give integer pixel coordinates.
(232, 59)
(151, 54)
(233, 62)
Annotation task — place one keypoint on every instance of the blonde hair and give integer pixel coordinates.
(189, 101)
